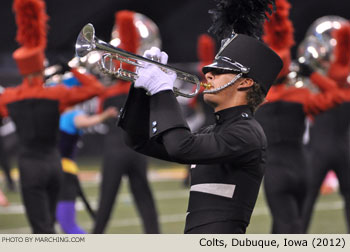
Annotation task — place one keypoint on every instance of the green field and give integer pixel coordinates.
(171, 200)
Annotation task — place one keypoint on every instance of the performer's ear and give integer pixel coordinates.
(245, 84)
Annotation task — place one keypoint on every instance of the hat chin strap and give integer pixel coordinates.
(216, 90)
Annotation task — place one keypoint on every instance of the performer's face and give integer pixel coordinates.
(218, 79)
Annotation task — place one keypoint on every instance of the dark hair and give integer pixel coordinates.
(255, 96)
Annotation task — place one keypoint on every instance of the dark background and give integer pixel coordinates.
(180, 22)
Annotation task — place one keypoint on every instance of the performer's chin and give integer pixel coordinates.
(210, 100)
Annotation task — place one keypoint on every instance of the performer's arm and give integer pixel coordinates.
(3, 110)
(313, 104)
(329, 96)
(317, 103)
(345, 94)
(7, 95)
(134, 120)
(208, 147)
(90, 87)
(83, 120)
(324, 83)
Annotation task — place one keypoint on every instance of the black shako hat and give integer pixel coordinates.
(248, 55)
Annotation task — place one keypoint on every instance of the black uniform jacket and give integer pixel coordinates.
(228, 158)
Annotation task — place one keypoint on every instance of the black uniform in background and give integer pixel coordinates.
(286, 175)
(119, 160)
(5, 164)
(39, 160)
(330, 150)
(228, 158)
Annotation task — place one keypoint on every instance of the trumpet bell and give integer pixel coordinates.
(85, 40)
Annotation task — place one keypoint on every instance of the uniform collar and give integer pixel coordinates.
(242, 111)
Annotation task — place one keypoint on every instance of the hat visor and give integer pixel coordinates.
(220, 64)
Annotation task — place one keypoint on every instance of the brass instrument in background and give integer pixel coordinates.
(148, 30)
(88, 42)
(316, 50)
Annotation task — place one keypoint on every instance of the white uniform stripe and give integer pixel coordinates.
(224, 190)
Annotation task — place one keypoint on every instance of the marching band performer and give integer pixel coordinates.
(35, 111)
(6, 165)
(118, 159)
(329, 135)
(282, 117)
(228, 158)
(72, 122)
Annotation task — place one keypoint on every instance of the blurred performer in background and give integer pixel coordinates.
(283, 117)
(228, 157)
(118, 159)
(72, 121)
(330, 134)
(5, 165)
(35, 111)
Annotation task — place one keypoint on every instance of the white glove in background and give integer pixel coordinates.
(151, 77)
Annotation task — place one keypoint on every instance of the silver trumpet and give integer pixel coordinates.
(87, 42)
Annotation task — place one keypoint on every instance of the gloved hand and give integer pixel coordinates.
(151, 77)
(305, 70)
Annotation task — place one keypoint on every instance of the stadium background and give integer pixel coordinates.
(180, 22)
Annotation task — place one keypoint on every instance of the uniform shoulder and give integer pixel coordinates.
(9, 94)
(249, 131)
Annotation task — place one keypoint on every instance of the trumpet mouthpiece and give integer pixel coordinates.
(206, 85)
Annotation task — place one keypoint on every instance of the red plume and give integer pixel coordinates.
(128, 33)
(342, 49)
(31, 20)
(279, 29)
(205, 48)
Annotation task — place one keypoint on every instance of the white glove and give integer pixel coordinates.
(151, 77)
(156, 55)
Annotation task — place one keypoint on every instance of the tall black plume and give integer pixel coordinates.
(240, 16)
